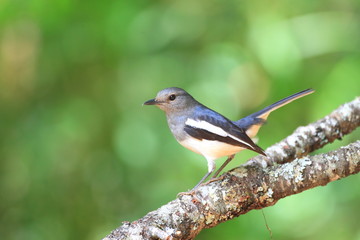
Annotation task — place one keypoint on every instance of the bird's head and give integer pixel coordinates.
(172, 99)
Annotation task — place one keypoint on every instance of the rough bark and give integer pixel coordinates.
(259, 183)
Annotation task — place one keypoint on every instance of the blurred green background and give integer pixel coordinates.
(79, 154)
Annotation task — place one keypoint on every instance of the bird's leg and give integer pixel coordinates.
(192, 191)
(211, 168)
(222, 166)
(202, 180)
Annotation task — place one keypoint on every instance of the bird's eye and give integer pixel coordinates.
(172, 97)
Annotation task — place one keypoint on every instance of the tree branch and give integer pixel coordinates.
(258, 183)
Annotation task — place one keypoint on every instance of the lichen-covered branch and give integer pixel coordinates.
(239, 191)
(254, 185)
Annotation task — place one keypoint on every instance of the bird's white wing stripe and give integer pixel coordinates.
(213, 129)
(239, 140)
(206, 126)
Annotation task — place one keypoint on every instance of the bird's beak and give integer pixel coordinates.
(151, 102)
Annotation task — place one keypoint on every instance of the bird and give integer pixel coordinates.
(207, 132)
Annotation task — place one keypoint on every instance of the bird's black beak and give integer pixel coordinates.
(151, 102)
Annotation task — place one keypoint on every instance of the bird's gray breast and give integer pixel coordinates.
(176, 124)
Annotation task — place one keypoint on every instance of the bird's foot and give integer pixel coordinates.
(213, 179)
(191, 192)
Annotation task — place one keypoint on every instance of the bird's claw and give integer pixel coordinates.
(213, 179)
(191, 192)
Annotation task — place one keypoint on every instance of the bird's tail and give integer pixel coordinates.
(264, 113)
(253, 122)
